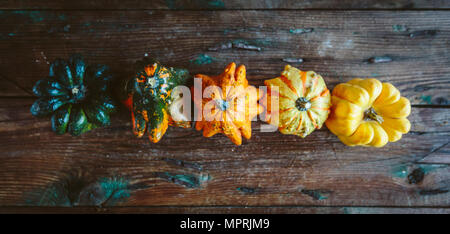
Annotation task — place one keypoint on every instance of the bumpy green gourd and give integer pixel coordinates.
(148, 95)
(75, 95)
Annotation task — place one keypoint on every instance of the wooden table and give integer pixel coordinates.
(404, 42)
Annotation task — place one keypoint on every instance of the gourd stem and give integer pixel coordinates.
(222, 104)
(78, 93)
(371, 114)
(75, 91)
(302, 104)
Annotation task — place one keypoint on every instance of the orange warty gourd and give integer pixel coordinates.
(228, 104)
(367, 112)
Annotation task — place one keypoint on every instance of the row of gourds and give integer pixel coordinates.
(78, 97)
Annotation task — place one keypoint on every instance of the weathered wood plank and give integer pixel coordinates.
(109, 167)
(223, 210)
(187, 169)
(409, 49)
(224, 4)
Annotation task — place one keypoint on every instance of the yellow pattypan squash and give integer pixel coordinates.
(367, 112)
(303, 101)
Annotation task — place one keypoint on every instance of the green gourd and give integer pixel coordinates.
(75, 95)
(148, 97)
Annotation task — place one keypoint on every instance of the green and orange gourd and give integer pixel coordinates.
(150, 97)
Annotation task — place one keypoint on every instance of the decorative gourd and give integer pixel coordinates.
(303, 101)
(76, 95)
(367, 112)
(148, 97)
(230, 104)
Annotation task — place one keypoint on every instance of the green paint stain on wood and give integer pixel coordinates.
(400, 171)
(243, 44)
(198, 4)
(53, 196)
(424, 33)
(246, 190)
(186, 180)
(253, 44)
(316, 194)
(400, 28)
(218, 4)
(88, 27)
(82, 190)
(62, 17)
(203, 59)
(259, 42)
(301, 30)
(412, 174)
(426, 99)
(379, 59)
(66, 28)
(35, 16)
(114, 190)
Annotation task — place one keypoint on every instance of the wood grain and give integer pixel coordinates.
(224, 4)
(270, 173)
(338, 45)
(318, 170)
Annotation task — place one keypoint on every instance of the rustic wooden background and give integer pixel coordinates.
(404, 42)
